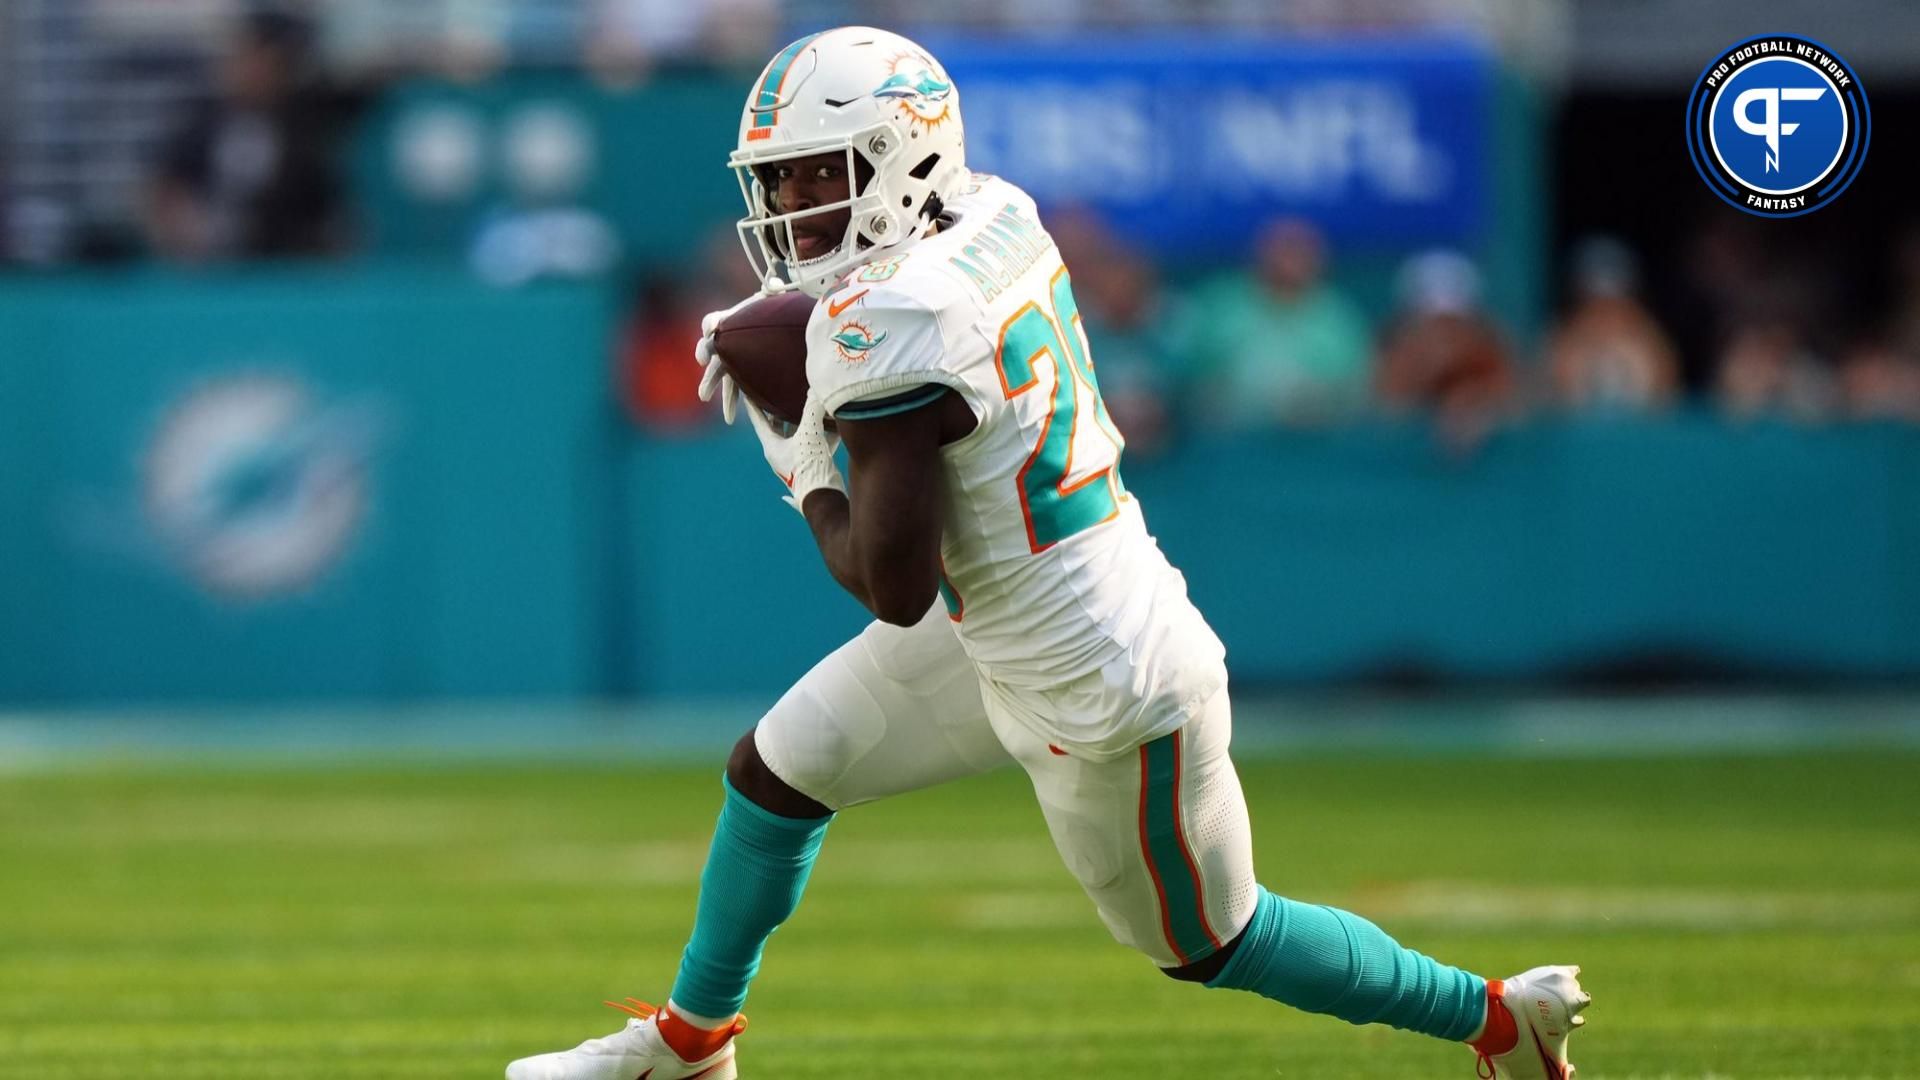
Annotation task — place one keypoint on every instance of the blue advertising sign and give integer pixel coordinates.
(1193, 141)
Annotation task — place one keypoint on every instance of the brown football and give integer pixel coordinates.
(764, 347)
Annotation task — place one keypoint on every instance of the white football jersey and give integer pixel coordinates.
(1062, 599)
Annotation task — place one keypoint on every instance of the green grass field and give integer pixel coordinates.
(1736, 917)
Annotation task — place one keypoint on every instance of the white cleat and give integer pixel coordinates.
(1545, 1003)
(635, 1052)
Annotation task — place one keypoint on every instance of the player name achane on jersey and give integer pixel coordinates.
(1003, 250)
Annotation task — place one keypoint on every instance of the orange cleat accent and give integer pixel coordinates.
(1530, 1018)
(640, 1051)
(697, 1043)
(1500, 1034)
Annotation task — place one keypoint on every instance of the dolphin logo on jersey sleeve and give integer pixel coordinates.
(854, 341)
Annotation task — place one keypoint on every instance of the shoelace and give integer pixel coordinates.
(1483, 1068)
(634, 1007)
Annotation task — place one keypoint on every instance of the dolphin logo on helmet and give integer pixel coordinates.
(920, 84)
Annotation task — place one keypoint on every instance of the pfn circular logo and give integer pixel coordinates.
(1778, 125)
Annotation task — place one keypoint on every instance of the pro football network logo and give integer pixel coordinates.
(1778, 126)
(854, 341)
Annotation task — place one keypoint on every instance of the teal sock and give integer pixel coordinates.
(1325, 960)
(755, 872)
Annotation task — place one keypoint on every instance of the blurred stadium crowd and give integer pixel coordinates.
(207, 131)
(1277, 343)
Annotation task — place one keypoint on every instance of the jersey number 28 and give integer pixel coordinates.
(1054, 508)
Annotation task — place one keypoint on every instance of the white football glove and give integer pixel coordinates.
(803, 460)
(716, 377)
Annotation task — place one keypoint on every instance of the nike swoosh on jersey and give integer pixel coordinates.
(834, 310)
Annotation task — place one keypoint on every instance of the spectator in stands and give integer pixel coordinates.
(1880, 376)
(1443, 353)
(659, 385)
(253, 175)
(1608, 354)
(1121, 309)
(1767, 370)
(1740, 278)
(1277, 344)
(1879, 381)
(1905, 318)
(1720, 260)
(659, 382)
(1123, 312)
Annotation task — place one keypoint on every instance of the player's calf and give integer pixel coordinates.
(1324, 960)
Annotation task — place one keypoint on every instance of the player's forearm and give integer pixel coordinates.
(828, 515)
(883, 581)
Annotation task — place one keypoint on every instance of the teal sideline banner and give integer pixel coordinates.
(301, 486)
(396, 486)
(1571, 548)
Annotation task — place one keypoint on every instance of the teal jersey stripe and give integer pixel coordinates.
(956, 607)
(894, 403)
(776, 75)
(1164, 845)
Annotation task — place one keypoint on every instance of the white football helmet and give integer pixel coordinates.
(889, 106)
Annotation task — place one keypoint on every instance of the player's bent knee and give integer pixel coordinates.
(747, 771)
(1207, 969)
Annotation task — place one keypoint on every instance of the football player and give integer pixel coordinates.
(1024, 613)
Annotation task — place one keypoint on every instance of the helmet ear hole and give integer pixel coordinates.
(925, 168)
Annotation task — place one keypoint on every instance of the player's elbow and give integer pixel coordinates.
(902, 608)
(901, 599)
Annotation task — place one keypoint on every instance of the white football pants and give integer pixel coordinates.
(1158, 838)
